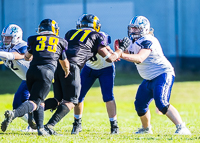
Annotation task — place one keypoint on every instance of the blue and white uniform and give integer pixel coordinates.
(19, 67)
(98, 69)
(157, 72)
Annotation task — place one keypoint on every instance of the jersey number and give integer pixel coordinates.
(53, 42)
(86, 33)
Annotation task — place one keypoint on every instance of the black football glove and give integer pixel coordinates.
(123, 44)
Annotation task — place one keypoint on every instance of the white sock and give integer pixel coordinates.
(78, 116)
(113, 119)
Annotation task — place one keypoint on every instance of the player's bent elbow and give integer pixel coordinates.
(139, 60)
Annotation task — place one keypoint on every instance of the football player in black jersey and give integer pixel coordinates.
(84, 43)
(44, 50)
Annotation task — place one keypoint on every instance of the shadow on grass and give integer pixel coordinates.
(18, 133)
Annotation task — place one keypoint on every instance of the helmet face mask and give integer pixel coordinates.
(11, 35)
(89, 21)
(142, 25)
(7, 41)
(48, 26)
(134, 32)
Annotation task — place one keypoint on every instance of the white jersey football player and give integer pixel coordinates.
(98, 68)
(158, 74)
(12, 54)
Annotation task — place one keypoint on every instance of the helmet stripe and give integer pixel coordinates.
(95, 26)
(4, 30)
(53, 27)
(133, 21)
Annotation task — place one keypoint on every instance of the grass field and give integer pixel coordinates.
(96, 128)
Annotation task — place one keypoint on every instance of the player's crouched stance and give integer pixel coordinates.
(45, 50)
(158, 74)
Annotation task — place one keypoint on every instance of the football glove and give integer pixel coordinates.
(122, 44)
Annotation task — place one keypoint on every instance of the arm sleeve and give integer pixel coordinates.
(102, 40)
(64, 46)
(22, 50)
(29, 49)
(7, 55)
(106, 38)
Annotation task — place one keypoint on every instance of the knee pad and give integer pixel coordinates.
(165, 109)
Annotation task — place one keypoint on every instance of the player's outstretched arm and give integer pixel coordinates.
(7, 55)
(65, 66)
(18, 56)
(137, 58)
(11, 55)
(109, 57)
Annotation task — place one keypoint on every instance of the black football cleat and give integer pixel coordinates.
(76, 127)
(9, 116)
(31, 121)
(50, 130)
(114, 127)
(43, 132)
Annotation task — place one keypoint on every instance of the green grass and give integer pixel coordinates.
(96, 128)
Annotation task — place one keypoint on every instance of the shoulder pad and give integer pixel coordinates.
(20, 47)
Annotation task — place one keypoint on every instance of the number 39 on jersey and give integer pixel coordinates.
(52, 43)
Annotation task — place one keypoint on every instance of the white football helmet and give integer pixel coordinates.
(142, 25)
(14, 31)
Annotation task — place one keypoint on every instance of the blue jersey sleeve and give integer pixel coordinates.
(22, 50)
(145, 44)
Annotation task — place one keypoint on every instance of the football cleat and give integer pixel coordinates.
(50, 130)
(9, 116)
(29, 130)
(114, 127)
(43, 132)
(144, 130)
(76, 126)
(31, 121)
(182, 130)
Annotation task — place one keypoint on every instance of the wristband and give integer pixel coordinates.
(116, 54)
(107, 56)
(121, 50)
(26, 57)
